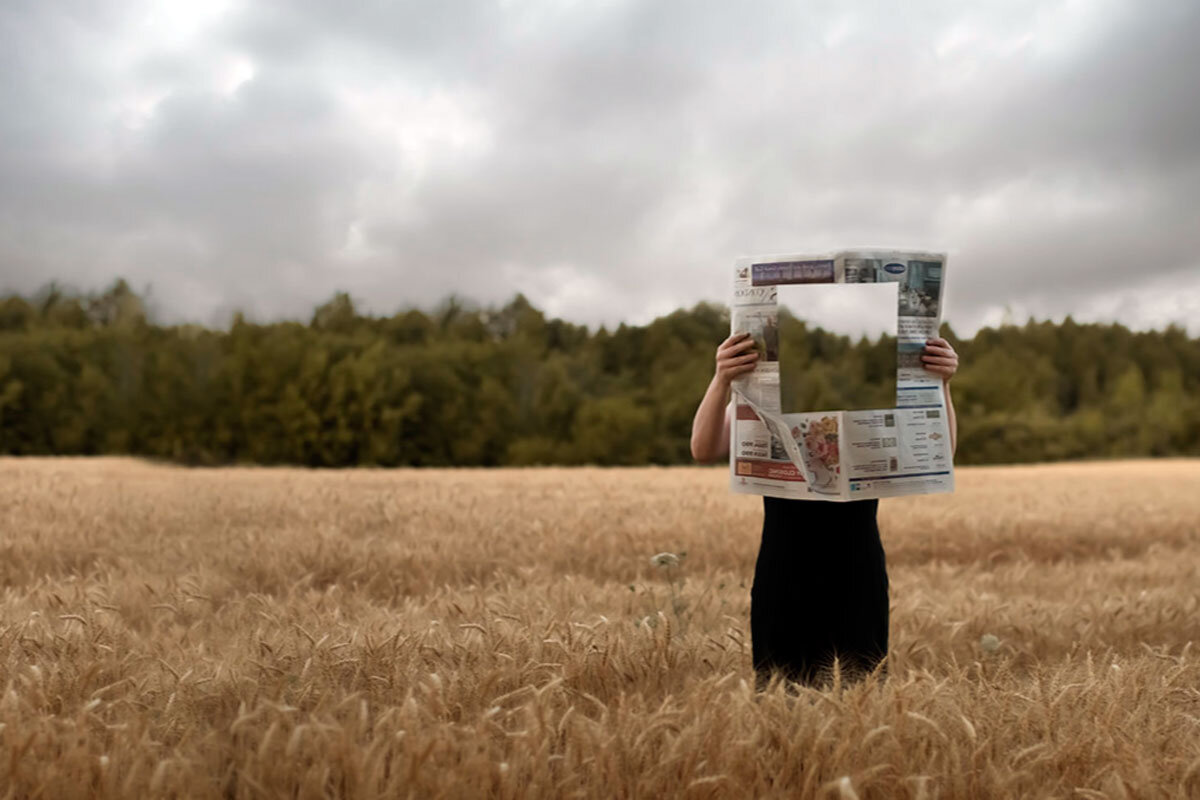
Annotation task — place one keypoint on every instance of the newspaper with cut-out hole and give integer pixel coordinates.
(840, 455)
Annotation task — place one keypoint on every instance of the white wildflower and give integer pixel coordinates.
(663, 560)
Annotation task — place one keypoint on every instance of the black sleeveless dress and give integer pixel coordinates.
(820, 590)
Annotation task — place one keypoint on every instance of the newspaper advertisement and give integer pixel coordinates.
(840, 455)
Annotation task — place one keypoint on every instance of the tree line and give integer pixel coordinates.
(464, 385)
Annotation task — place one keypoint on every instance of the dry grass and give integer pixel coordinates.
(285, 633)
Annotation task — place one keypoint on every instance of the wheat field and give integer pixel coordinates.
(249, 633)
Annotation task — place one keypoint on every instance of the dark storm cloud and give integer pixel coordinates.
(608, 159)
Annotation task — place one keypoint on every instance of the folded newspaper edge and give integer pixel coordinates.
(840, 455)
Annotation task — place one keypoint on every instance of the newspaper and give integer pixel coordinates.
(840, 455)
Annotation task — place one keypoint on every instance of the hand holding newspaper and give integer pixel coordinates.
(840, 455)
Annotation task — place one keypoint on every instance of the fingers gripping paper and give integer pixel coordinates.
(840, 455)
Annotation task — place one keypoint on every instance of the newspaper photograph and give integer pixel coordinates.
(840, 455)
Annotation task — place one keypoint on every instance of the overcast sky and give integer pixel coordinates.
(608, 158)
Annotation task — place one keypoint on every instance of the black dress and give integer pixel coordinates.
(820, 589)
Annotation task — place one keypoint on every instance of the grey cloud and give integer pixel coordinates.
(625, 152)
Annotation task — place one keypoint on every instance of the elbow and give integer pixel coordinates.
(708, 455)
(702, 454)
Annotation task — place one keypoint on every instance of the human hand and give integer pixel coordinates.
(733, 359)
(939, 358)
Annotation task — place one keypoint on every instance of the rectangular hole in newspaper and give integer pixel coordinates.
(850, 362)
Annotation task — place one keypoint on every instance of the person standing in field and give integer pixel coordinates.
(820, 586)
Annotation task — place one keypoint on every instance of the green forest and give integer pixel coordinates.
(465, 385)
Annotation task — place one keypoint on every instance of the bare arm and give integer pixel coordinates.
(710, 426)
(940, 359)
(951, 419)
